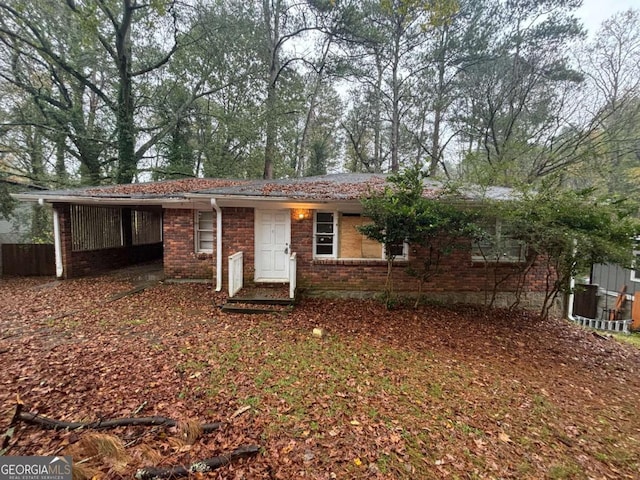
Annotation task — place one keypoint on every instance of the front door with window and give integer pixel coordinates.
(273, 236)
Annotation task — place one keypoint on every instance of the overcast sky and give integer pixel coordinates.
(593, 12)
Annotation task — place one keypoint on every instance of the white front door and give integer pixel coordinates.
(273, 236)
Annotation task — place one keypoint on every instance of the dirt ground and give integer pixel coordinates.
(438, 392)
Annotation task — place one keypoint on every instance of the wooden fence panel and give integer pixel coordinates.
(28, 259)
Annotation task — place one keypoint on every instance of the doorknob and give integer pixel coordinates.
(286, 248)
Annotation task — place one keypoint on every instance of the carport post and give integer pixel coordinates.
(218, 244)
(57, 242)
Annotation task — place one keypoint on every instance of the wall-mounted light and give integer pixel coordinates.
(301, 214)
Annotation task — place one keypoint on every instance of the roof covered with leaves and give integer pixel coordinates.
(337, 187)
(326, 187)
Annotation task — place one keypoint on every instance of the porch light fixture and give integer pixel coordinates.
(300, 214)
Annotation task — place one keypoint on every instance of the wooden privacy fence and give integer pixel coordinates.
(28, 259)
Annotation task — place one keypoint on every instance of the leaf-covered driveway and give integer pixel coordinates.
(433, 393)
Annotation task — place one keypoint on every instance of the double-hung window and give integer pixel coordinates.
(635, 268)
(499, 245)
(325, 235)
(204, 231)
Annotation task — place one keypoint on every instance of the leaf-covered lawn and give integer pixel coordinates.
(434, 393)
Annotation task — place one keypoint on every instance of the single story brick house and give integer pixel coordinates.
(299, 231)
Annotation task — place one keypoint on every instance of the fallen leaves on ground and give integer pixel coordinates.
(437, 392)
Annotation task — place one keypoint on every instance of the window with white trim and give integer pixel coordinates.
(499, 246)
(336, 235)
(204, 231)
(635, 268)
(324, 235)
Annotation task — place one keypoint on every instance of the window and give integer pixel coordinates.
(399, 250)
(499, 246)
(635, 268)
(204, 231)
(324, 237)
(336, 235)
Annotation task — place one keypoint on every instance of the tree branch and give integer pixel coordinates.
(45, 49)
(53, 424)
(203, 466)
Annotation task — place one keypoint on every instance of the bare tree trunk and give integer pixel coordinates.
(438, 112)
(521, 283)
(313, 103)
(395, 108)
(270, 149)
(377, 116)
(127, 164)
(389, 283)
(60, 168)
(271, 19)
(438, 107)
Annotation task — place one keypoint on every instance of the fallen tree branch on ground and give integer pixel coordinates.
(148, 473)
(203, 466)
(52, 424)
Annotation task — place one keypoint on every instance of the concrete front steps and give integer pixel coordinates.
(250, 300)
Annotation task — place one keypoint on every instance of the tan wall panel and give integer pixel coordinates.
(352, 243)
(350, 238)
(371, 248)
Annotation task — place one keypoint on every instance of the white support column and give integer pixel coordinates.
(57, 242)
(218, 244)
(293, 273)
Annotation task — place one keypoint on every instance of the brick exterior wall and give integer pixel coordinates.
(457, 272)
(458, 276)
(78, 264)
(238, 226)
(180, 258)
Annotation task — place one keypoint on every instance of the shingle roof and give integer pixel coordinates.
(350, 186)
(166, 188)
(345, 186)
(326, 187)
